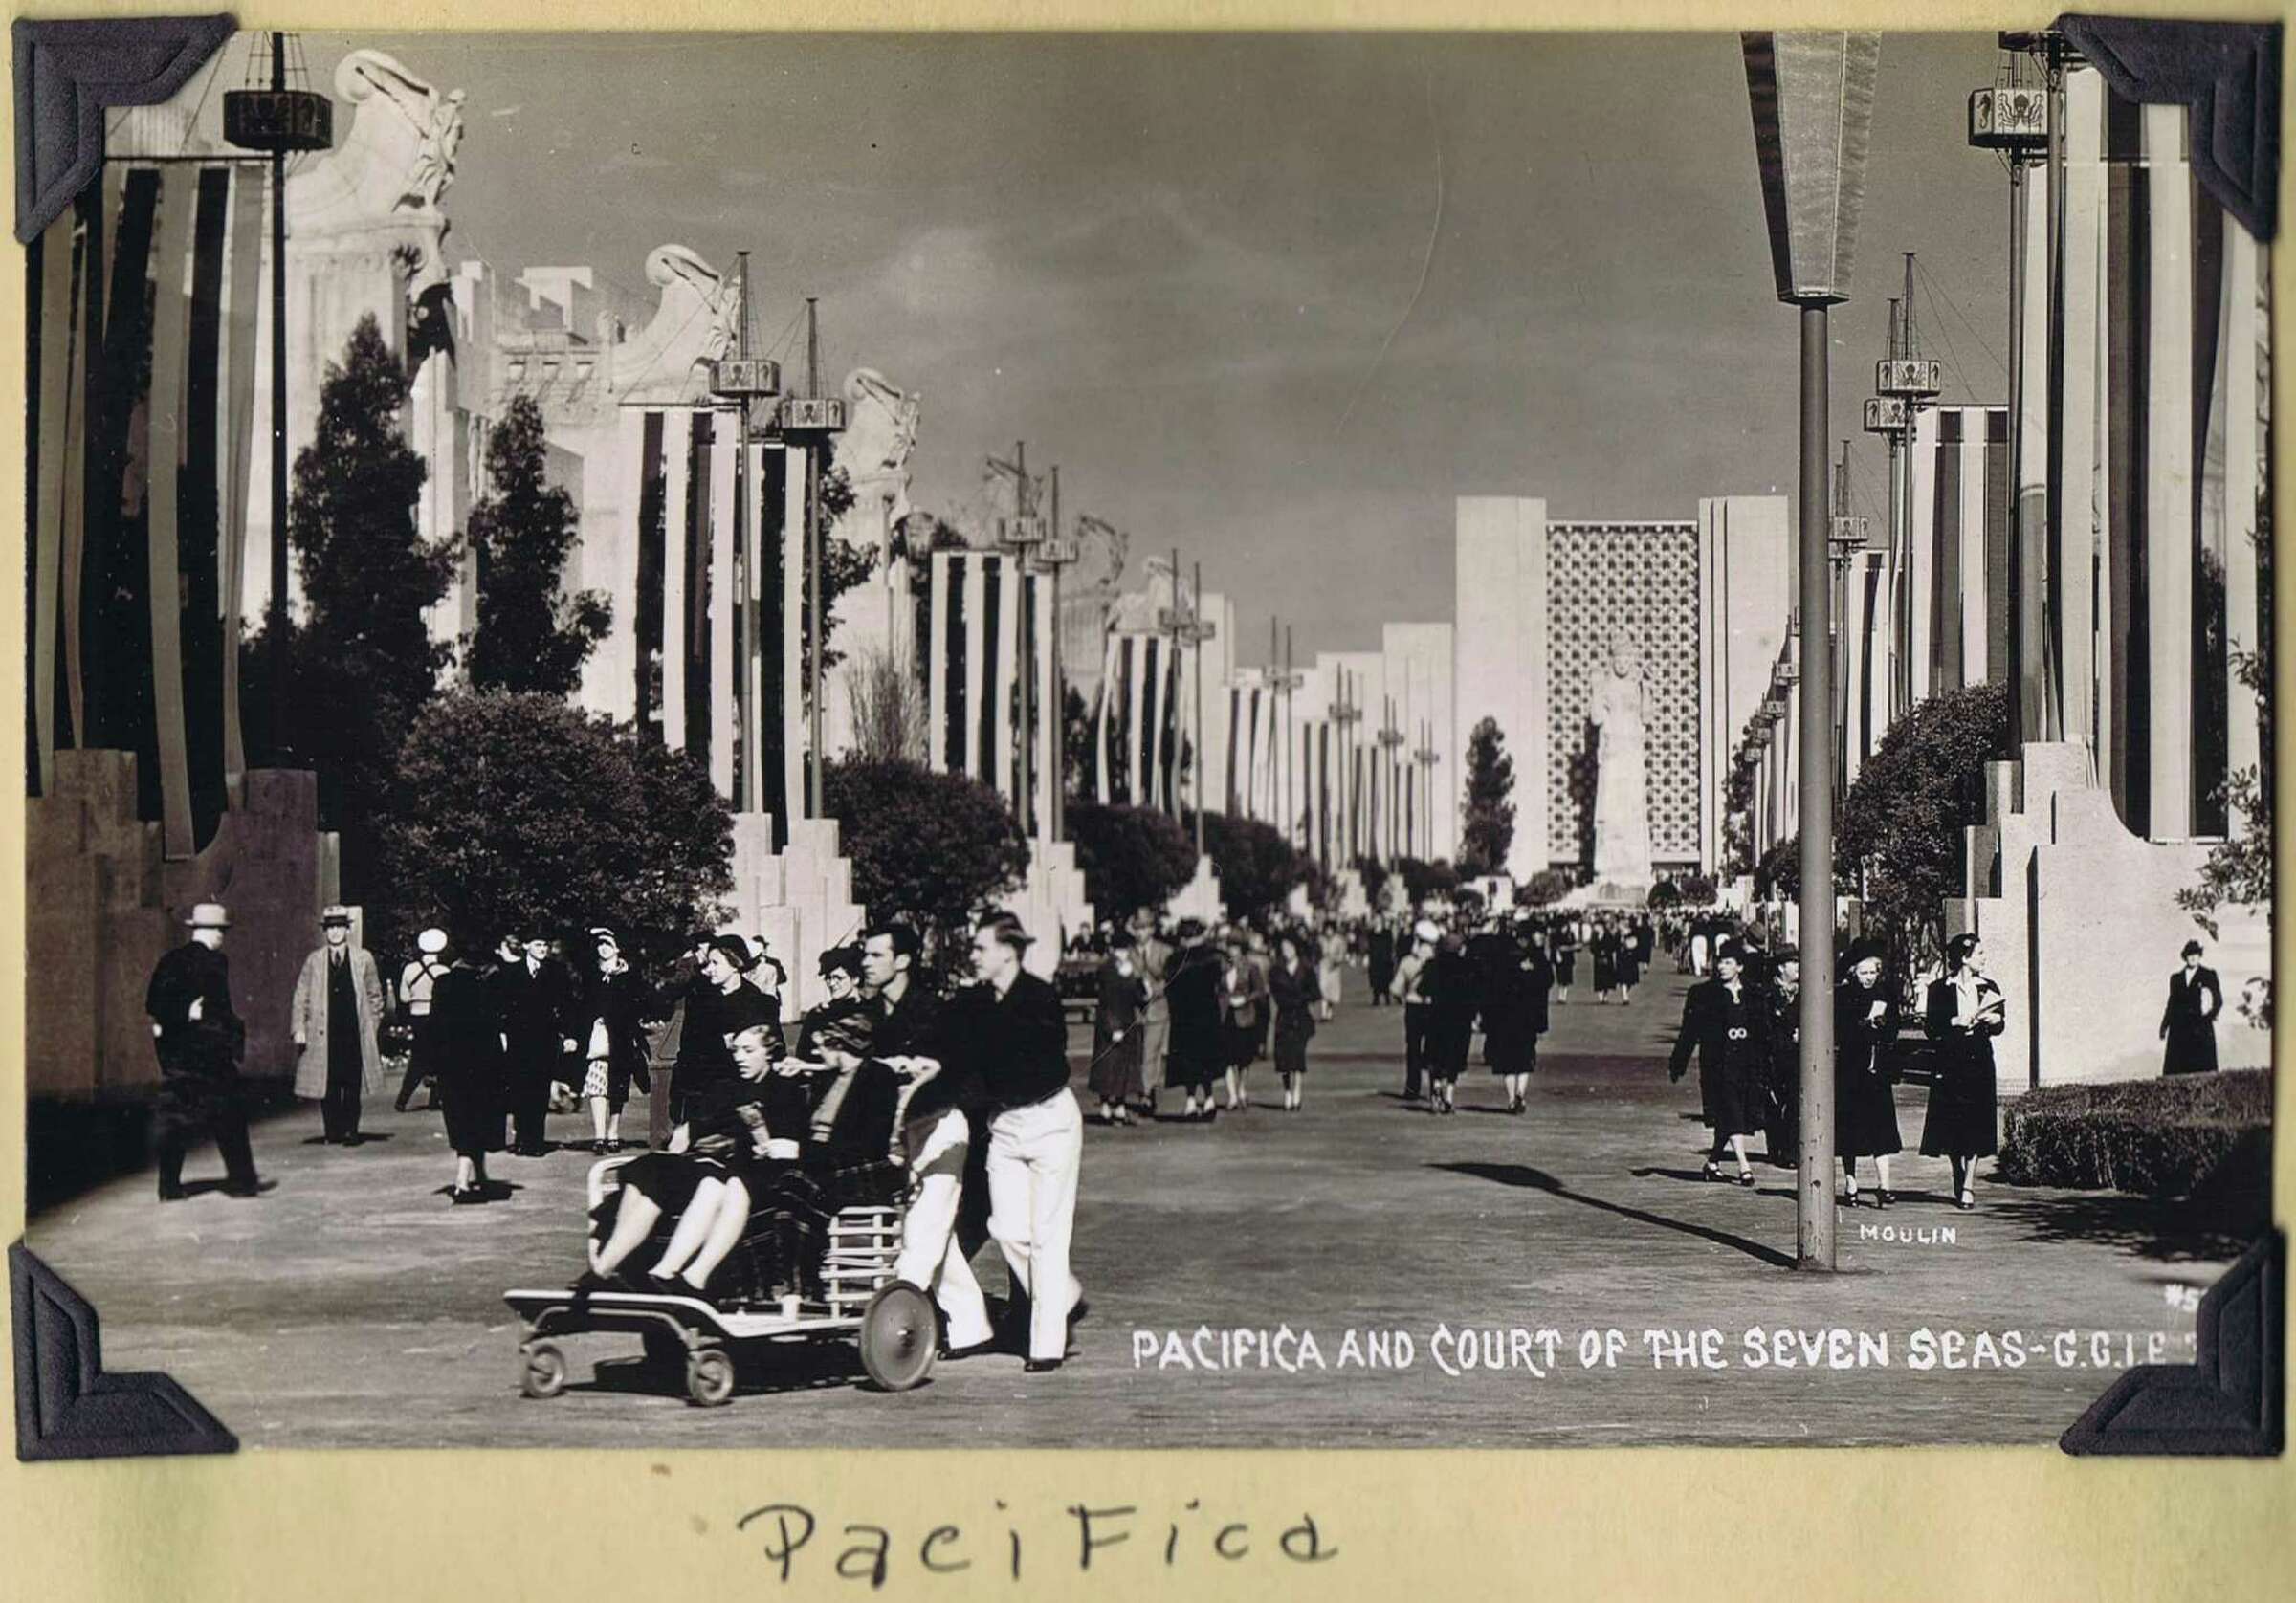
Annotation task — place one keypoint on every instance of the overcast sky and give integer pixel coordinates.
(1276, 300)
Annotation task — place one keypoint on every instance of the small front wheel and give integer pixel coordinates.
(898, 1330)
(710, 1377)
(542, 1370)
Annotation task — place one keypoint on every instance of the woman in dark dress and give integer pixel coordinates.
(1514, 1014)
(1566, 960)
(1728, 1026)
(1293, 986)
(1965, 1012)
(1865, 1112)
(2189, 1022)
(1604, 945)
(1192, 991)
(1781, 1085)
(614, 1007)
(1627, 965)
(722, 1004)
(464, 1031)
(1117, 1034)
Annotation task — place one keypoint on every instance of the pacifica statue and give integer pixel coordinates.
(1618, 707)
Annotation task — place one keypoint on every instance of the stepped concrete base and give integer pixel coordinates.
(101, 904)
(1050, 904)
(1199, 898)
(2080, 927)
(798, 901)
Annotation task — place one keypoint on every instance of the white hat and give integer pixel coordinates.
(431, 940)
(1424, 930)
(335, 912)
(210, 915)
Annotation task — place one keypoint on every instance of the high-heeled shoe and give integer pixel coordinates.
(1883, 1198)
(1968, 1201)
(1711, 1172)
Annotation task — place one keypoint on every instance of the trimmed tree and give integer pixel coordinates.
(935, 848)
(1547, 885)
(532, 635)
(364, 664)
(1256, 866)
(1131, 857)
(1902, 829)
(521, 812)
(1487, 820)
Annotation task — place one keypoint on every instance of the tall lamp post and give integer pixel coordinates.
(809, 421)
(744, 381)
(1847, 538)
(1812, 100)
(1391, 739)
(276, 121)
(1020, 535)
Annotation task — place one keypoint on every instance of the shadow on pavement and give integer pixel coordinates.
(789, 1367)
(1539, 1179)
(2166, 1230)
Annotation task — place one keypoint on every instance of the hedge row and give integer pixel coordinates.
(2170, 1137)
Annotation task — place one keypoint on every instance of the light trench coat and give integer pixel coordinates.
(308, 1019)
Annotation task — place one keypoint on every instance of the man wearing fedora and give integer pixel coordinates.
(200, 1042)
(338, 1004)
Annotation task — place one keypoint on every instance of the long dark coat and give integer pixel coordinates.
(1514, 1011)
(2188, 1023)
(1732, 1040)
(1961, 1121)
(538, 1011)
(1120, 1036)
(1865, 1112)
(464, 1036)
(1781, 1113)
(1192, 989)
(199, 1058)
(620, 1003)
(1297, 992)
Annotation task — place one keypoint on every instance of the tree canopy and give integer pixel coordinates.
(532, 635)
(1487, 820)
(1256, 866)
(933, 847)
(1131, 857)
(521, 812)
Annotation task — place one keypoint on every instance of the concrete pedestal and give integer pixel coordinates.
(2080, 927)
(799, 902)
(1050, 904)
(102, 904)
(1199, 898)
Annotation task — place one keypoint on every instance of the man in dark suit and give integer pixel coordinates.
(200, 1042)
(537, 1001)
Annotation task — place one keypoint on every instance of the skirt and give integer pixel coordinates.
(1330, 978)
(1865, 1117)
(476, 1109)
(2192, 1048)
(1242, 1043)
(1510, 1053)
(1733, 1096)
(1961, 1121)
(1290, 1052)
(1606, 971)
(1115, 1075)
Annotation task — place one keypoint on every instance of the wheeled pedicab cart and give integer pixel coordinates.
(854, 1297)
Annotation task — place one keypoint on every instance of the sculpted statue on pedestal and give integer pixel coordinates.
(1618, 707)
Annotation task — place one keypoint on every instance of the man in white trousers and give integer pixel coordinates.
(936, 1136)
(1012, 1027)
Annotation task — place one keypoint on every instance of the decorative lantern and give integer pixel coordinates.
(1812, 96)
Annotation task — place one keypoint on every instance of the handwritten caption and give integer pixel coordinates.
(1540, 1353)
(798, 1545)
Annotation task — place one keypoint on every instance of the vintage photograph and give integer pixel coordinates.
(1150, 740)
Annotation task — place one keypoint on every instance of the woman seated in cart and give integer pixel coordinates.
(811, 1132)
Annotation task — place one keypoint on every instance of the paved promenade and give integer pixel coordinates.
(1604, 1294)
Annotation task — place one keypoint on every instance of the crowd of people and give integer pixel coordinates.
(954, 1105)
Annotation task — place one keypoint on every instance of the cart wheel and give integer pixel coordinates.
(710, 1377)
(898, 1330)
(542, 1370)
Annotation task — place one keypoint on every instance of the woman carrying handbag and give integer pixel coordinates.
(1965, 1012)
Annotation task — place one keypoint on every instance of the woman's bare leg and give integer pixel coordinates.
(693, 1228)
(723, 1233)
(633, 1223)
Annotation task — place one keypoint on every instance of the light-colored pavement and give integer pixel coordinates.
(1576, 1246)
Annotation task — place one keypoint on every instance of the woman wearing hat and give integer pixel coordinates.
(1965, 1012)
(1728, 1026)
(613, 1006)
(2189, 1022)
(1116, 1032)
(1296, 989)
(462, 1035)
(1192, 988)
(704, 1080)
(1865, 1017)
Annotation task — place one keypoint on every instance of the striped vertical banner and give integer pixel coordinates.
(1135, 718)
(1102, 792)
(724, 601)
(135, 546)
(677, 467)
